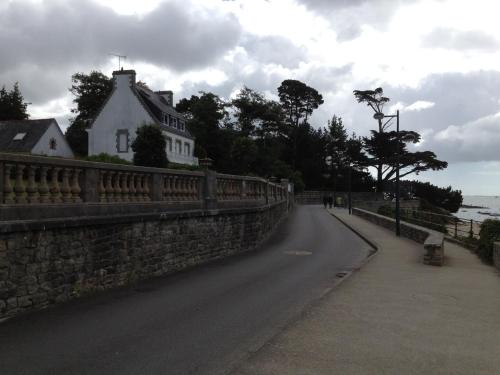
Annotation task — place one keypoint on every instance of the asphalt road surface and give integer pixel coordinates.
(203, 321)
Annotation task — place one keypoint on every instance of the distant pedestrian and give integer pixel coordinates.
(325, 200)
(330, 201)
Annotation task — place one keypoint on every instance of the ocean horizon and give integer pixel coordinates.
(490, 206)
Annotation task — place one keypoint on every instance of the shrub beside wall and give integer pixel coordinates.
(489, 233)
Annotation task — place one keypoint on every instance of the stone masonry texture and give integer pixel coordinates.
(41, 268)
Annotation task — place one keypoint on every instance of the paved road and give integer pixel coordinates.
(203, 321)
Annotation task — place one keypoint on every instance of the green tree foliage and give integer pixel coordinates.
(446, 198)
(205, 114)
(106, 158)
(12, 104)
(149, 147)
(488, 234)
(90, 92)
(254, 135)
(383, 146)
(298, 101)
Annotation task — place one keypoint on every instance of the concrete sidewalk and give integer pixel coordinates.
(395, 316)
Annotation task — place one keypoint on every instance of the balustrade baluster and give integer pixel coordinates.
(194, 188)
(55, 190)
(167, 189)
(179, 188)
(65, 188)
(102, 187)
(7, 185)
(175, 188)
(110, 191)
(31, 189)
(132, 188)
(138, 187)
(146, 188)
(19, 188)
(75, 186)
(117, 188)
(125, 189)
(184, 188)
(43, 187)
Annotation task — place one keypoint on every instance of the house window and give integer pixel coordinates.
(178, 146)
(174, 122)
(169, 144)
(19, 137)
(122, 141)
(181, 125)
(187, 149)
(165, 118)
(52, 144)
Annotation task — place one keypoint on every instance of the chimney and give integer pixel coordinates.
(124, 78)
(168, 96)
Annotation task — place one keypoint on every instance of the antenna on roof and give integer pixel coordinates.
(120, 57)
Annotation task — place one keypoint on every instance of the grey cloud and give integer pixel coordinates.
(460, 40)
(274, 49)
(57, 37)
(347, 16)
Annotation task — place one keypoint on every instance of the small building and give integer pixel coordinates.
(131, 105)
(37, 137)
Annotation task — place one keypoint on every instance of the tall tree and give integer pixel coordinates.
(12, 104)
(90, 91)
(205, 114)
(298, 102)
(383, 146)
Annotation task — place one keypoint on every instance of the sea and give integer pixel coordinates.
(490, 210)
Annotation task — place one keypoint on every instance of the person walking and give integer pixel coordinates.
(325, 200)
(330, 200)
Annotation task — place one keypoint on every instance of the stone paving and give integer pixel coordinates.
(395, 316)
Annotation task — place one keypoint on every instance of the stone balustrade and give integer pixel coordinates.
(230, 187)
(28, 182)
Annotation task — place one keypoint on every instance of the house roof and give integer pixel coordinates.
(156, 106)
(33, 130)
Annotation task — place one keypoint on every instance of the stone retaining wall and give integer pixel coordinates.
(433, 241)
(41, 266)
(496, 255)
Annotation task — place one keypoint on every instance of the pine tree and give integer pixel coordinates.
(12, 105)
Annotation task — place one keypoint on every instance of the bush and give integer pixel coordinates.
(489, 233)
(150, 147)
(184, 167)
(106, 158)
(445, 198)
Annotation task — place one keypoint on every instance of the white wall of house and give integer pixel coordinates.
(122, 114)
(180, 149)
(114, 129)
(53, 143)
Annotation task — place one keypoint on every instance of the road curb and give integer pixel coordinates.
(363, 236)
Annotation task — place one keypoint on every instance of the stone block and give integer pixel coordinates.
(12, 303)
(24, 302)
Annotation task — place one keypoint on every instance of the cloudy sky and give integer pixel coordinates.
(438, 61)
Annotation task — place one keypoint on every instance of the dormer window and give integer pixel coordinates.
(175, 122)
(165, 118)
(181, 125)
(19, 137)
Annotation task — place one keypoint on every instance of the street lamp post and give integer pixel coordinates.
(380, 116)
(349, 197)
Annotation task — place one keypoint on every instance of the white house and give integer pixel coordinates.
(130, 106)
(38, 137)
